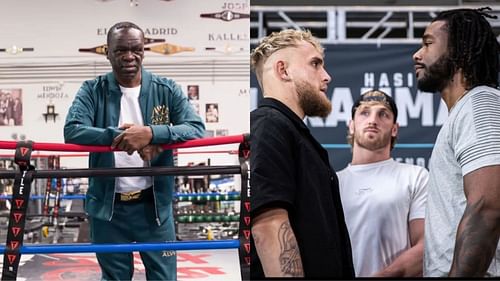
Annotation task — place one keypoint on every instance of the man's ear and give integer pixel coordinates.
(106, 52)
(351, 127)
(395, 129)
(281, 70)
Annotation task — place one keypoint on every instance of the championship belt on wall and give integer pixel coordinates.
(225, 15)
(14, 50)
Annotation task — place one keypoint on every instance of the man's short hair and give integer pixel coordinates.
(122, 25)
(278, 41)
(374, 96)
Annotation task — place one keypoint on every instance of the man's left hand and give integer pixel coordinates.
(133, 138)
(150, 151)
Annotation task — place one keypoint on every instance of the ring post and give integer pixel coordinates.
(17, 217)
(244, 232)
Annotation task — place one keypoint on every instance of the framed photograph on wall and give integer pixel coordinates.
(212, 112)
(11, 107)
(193, 92)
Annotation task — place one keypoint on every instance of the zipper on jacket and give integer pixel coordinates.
(154, 198)
(113, 204)
(114, 193)
(154, 202)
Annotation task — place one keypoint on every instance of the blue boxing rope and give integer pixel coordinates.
(82, 196)
(127, 248)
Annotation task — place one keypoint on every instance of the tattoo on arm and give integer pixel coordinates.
(476, 243)
(290, 260)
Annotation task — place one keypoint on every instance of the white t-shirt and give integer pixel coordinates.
(130, 112)
(379, 200)
(467, 141)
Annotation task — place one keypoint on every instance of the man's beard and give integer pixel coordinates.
(436, 76)
(372, 144)
(312, 102)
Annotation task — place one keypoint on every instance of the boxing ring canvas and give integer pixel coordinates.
(206, 265)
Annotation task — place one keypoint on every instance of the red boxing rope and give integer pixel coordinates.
(92, 148)
(86, 154)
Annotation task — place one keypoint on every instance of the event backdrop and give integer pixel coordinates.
(357, 68)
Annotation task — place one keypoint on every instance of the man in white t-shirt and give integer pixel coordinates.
(459, 59)
(134, 111)
(383, 200)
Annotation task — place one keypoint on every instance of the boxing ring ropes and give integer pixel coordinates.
(23, 176)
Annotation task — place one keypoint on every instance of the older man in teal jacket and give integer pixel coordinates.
(134, 111)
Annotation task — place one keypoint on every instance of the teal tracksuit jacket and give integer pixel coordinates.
(93, 120)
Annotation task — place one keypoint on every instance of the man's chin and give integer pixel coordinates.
(426, 88)
(129, 74)
(426, 85)
(322, 113)
(371, 143)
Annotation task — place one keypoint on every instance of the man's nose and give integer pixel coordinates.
(373, 119)
(326, 76)
(417, 56)
(128, 55)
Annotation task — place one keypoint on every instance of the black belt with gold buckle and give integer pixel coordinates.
(128, 196)
(134, 196)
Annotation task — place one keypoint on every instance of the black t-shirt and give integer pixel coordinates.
(290, 170)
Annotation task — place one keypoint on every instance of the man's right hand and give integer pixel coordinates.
(133, 138)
